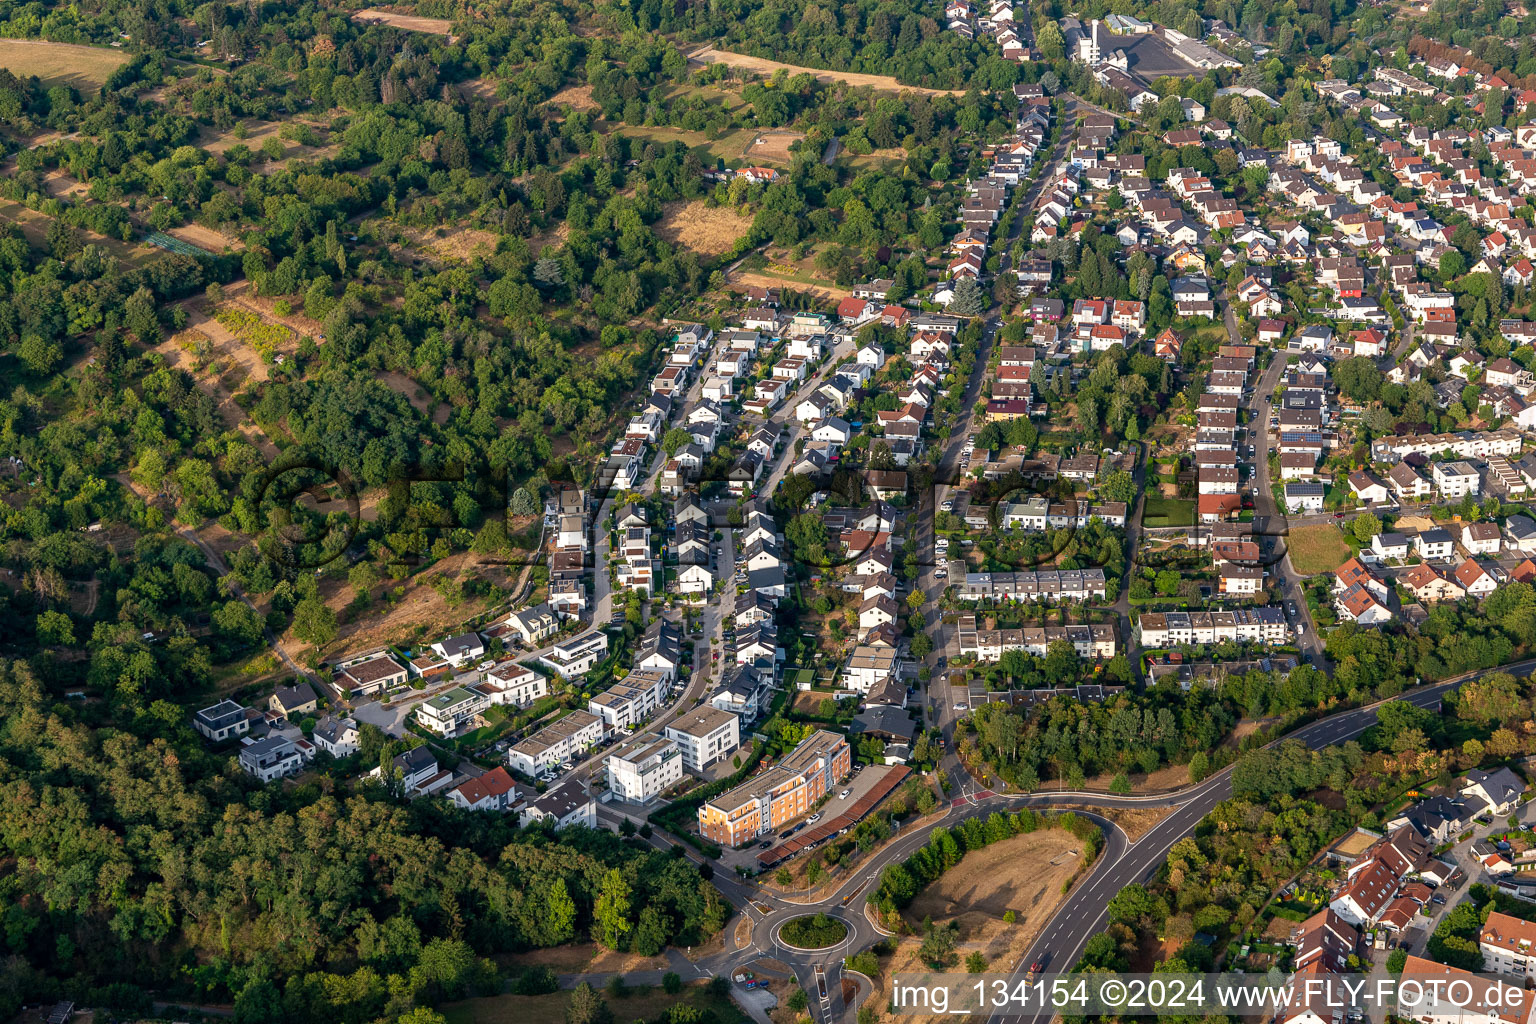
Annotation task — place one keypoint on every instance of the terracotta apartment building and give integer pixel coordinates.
(779, 794)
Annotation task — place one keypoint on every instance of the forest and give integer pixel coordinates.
(141, 864)
(1072, 740)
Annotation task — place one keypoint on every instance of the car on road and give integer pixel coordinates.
(844, 794)
(1338, 515)
(765, 844)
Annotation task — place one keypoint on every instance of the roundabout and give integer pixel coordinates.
(812, 933)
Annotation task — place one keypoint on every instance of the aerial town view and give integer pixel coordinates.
(590, 511)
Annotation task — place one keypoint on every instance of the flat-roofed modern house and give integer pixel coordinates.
(576, 733)
(368, 674)
(223, 721)
(575, 658)
(453, 712)
(273, 757)
(704, 736)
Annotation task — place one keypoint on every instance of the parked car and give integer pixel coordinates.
(844, 794)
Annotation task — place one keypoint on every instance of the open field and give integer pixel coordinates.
(766, 280)
(1316, 549)
(84, 67)
(409, 22)
(205, 237)
(577, 97)
(765, 67)
(771, 147)
(1162, 511)
(729, 146)
(1024, 874)
(550, 1009)
(35, 226)
(702, 228)
(456, 245)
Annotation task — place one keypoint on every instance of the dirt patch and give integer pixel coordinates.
(771, 147)
(255, 132)
(746, 277)
(206, 238)
(409, 22)
(414, 393)
(577, 97)
(1135, 822)
(35, 226)
(1021, 874)
(420, 608)
(556, 237)
(765, 67)
(84, 67)
(1024, 874)
(702, 228)
(59, 182)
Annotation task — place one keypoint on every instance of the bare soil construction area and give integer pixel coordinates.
(1024, 874)
(702, 228)
(765, 67)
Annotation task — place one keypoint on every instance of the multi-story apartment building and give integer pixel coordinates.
(1508, 945)
(1089, 641)
(576, 732)
(704, 736)
(643, 769)
(511, 683)
(453, 712)
(631, 700)
(782, 793)
(224, 720)
(575, 658)
(1259, 625)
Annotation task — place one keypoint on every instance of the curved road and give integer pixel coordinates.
(1084, 913)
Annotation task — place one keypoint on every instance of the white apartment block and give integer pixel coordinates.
(451, 713)
(1264, 625)
(1089, 641)
(631, 700)
(704, 736)
(1454, 479)
(511, 683)
(643, 770)
(575, 658)
(576, 732)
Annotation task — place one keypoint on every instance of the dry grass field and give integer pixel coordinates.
(702, 228)
(577, 97)
(84, 67)
(771, 148)
(1024, 874)
(765, 67)
(409, 22)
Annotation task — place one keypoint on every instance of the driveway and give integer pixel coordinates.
(389, 718)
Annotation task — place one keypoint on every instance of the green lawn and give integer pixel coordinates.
(1317, 549)
(1168, 512)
